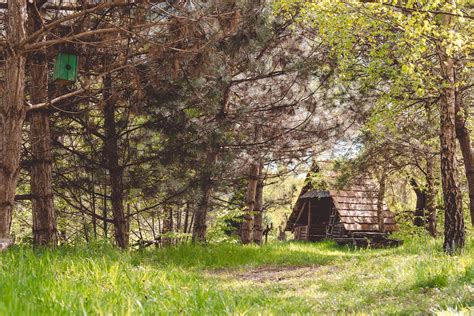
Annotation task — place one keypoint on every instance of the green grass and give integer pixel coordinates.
(279, 278)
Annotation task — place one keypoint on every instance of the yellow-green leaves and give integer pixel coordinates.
(389, 47)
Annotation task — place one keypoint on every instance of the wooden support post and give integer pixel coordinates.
(380, 204)
(309, 220)
(300, 213)
(296, 229)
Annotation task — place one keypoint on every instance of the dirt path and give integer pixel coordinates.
(270, 273)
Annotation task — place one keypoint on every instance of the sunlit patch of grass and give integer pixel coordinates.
(469, 274)
(434, 274)
(236, 256)
(299, 278)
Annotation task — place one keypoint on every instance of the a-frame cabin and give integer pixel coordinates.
(346, 214)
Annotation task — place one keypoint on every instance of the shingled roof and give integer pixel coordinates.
(356, 202)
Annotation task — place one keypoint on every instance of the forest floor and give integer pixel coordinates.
(278, 278)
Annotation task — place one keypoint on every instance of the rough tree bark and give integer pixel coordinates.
(454, 234)
(246, 227)
(464, 139)
(200, 215)
(186, 218)
(105, 226)
(431, 197)
(44, 219)
(258, 211)
(111, 153)
(12, 113)
(167, 226)
(93, 204)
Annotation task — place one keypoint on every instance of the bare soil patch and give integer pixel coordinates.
(270, 273)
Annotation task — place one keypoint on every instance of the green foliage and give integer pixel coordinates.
(280, 197)
(225, 226)
(318, 181)
(279, 278)
(390, 53)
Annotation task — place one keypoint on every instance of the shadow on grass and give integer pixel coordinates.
(235, 255)
(292, 253)
(99, 277)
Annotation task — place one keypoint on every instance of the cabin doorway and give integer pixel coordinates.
(313, 219)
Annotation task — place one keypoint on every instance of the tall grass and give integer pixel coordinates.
(98, 279)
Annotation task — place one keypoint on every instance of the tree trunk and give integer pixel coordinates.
(111, 152)
(140, 232)
(420, 208)
(153, 231)
(454, 234)
(167, 226)
(93, 205)
(191, 223)
(85, 228)
(200, 216)
(431, 197)
(105, 212)
(206, 184)
(258, 211)
(44, 219)
(177, 226)
(281, 233)
(464, 139)
(246, 227)
(12, 113)
(186, 218)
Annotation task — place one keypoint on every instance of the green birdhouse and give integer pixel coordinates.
(65, 67)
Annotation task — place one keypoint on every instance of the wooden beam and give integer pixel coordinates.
(309, 219)
(301, 212)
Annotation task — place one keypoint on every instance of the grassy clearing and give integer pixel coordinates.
(279, 278)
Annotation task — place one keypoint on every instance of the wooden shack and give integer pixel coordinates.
(346, 214)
